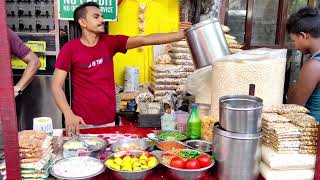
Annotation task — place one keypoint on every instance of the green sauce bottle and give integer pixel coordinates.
(194, 123)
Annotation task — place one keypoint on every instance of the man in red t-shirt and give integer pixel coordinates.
(90, 61)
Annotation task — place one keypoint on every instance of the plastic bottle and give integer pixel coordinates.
(194, 123)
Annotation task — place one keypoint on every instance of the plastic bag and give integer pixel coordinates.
(197, 88)
(263, 67)
(181, 55)
(182, 62)
(270, 174)
(180, 50)
(169, 74)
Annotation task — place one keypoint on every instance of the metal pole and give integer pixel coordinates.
(8, 117)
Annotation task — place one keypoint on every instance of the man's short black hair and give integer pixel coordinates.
(81, 12)
(306, 20)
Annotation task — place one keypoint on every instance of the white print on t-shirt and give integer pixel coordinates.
(95, 63)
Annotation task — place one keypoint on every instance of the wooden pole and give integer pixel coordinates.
(8, 117)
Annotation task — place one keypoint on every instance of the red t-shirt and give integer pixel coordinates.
(92, 77)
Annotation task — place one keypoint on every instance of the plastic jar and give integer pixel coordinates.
(181, 120)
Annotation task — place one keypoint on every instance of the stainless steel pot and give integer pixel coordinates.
(241, 113)
(237, 155)
(207, 42)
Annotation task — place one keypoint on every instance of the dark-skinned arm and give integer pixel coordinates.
(307, 82)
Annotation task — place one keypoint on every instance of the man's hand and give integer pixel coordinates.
(16, 90)
(72, 123)
(185, 25)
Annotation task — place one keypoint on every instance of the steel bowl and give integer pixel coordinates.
(54, 169)
(203, 146)
(187, 174)
(126, 175)
(99, 143)
(128, 142)
(171, 131)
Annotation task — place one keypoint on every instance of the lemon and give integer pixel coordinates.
(127, 158)
(116, 166)
(137, 169)
(144, 162)
(118, 161)
(144, 167)
(136, 164)
(124, 169)
(143, 157)
(134, 160)
(126, 163)
(152, 158)
(109, 163)
(127, 168)
(152, 163)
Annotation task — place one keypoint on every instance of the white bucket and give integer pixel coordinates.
(43, 124)
(132, 79)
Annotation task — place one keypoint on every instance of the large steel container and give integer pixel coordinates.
(241, 113)
(237, 155)
(207, 42)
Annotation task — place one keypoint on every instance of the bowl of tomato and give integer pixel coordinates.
(186, 164)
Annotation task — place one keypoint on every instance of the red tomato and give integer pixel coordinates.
(204, 160)
(177, 162)
(192, 164)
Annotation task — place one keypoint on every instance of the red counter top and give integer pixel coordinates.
(160, 172)
(126, 127)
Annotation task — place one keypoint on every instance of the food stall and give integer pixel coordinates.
(152, 142)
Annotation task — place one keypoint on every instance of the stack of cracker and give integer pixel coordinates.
(308, 126)
(35, 154)
(282, 136)
(233, 44)
(172, 65)
(286, 109)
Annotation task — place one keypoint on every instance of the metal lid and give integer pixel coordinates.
(200, 24)
(241, 102)
(241, 136)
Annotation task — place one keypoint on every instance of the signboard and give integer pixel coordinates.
(109, 8)
(35, 46)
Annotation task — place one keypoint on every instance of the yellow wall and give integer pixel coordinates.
(160, 16)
